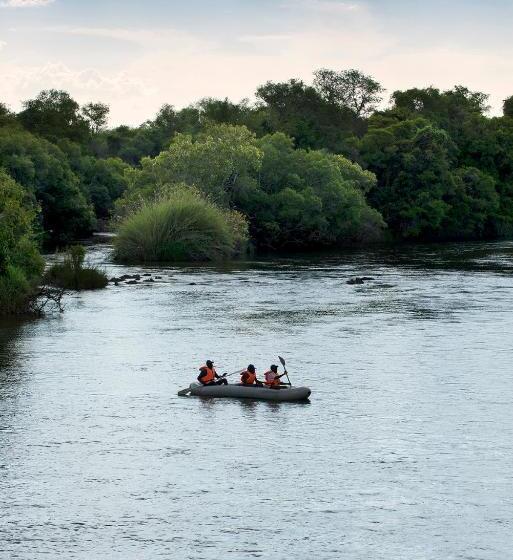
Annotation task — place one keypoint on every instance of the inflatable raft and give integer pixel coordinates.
(237, 391)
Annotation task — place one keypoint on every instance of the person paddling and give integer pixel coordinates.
(272, 379)
(249, 377)
(208, 375)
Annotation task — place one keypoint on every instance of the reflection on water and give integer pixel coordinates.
(404, 451)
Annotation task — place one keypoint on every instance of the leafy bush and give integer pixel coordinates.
(21, 264)
(218, 162)
(15, 291)
(72, 275)
(184, 226)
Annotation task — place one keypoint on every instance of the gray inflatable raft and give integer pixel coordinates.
(237, 391)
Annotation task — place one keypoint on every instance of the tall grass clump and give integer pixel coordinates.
(71, 274)
(15, 291)
(182, 226)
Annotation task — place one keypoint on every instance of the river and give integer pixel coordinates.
(403, 453)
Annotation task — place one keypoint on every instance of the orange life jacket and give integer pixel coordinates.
(248, 378)
(210, 376)
(274, 382)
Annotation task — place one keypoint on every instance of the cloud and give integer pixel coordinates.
(165, 38)
(122, 90)
(331, 7)
(25, 3)
(179, 67)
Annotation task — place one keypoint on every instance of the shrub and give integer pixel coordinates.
(15, 291)
(72, 275)
(184, 226)
(21, 264)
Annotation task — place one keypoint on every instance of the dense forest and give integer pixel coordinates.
(304, 166)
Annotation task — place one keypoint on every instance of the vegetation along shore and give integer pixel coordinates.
(305, 166)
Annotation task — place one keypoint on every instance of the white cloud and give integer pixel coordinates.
(140, 36)
(124, 92)
(25, 3)
(173, 66)
(330, 7)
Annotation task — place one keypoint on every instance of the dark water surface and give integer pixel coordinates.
(404, 452)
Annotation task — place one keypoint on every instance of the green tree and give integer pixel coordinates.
(301, 112)
(149, 139)
(507, 107)
(102, 181)
(310, 198)
(21, 265)
(474, 204)
(97, 115)
(7, 118)
(412, 163)
(349, 88)
(53, 114)
(217, 161)
(42, 168)
(223, 111)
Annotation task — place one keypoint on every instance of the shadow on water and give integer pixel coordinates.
(496, 256)
(249, 405)
(9, 335)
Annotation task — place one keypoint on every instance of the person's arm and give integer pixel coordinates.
(202, 374)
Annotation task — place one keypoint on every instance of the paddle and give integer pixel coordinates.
(283, 364)
(185, 392)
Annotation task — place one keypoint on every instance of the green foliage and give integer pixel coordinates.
(474, 204)
(20, 262)
(301, 112)
(507, 107)
(441, 107)
(42, 168)
(102, 181)
(184, 226)
(411, 160)
(7, 118)
(132, 144)
(15, 291)
(217, 161)
(420, 192)
(351, 89)
(72, 275)
(97, 115)
(444, 168)
(310, 198)
(53, 114)
(223, 111)
(293, 198)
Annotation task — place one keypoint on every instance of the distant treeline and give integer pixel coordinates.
(306, 165)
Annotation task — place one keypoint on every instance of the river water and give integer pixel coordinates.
(404, 451)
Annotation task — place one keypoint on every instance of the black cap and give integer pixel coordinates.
(210, 362)
(251, 367)
(274, 368)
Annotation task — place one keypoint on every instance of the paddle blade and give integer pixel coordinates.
(282, 361)
(184, 392)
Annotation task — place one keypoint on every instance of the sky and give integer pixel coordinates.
(138, 55)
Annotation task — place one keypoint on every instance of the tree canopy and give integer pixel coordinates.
(309, 163)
